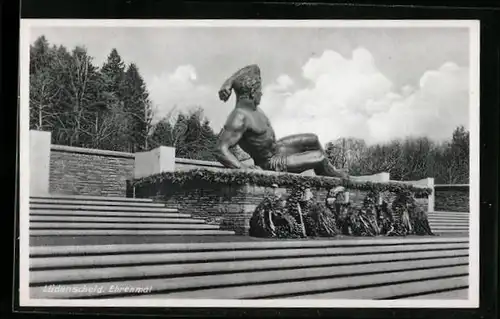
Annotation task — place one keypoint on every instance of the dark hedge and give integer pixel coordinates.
(203, 176)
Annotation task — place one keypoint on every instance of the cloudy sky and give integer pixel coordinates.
(377, 84)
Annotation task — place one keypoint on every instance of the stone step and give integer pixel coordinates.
(445, 227)
(47, 201)
(448, 217)
(97, 213)
(260, 277)
(137, 232)
(101, 208)
(117, 226)
(449, 222)
(463, 222)
(466, 227)
(458, 219)
(435, 227)
(445, 295)
(218, 267)
(91, 198)
(289, 289)
(441, 223)
(448, 214)
(74, 275)
(57, 241)
(397, 290)
(448, 226)
(104, 219)
(242, 245)
(464, 232)
(213, 256)
(450, 231)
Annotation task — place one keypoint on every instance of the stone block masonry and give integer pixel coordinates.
(81, 171)
(230, 206)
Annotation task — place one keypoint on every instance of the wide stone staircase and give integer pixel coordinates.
(225, 267)
(88, 215)
(444, 223)
(354, 269)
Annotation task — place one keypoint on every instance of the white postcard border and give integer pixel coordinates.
(24, 297)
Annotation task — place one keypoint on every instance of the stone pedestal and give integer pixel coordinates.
(159, 160)
(39, 156)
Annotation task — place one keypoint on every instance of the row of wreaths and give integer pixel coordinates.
(299, 215)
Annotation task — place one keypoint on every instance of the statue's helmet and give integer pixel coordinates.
(248, 84)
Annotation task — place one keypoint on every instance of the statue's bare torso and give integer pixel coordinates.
(259, 139)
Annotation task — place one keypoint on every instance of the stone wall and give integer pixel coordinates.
(452, 198)
(81, 171)
(229, 206)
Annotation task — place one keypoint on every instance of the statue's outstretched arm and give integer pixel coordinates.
(231, 134)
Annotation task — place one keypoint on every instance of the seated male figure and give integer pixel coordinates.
(251, 129)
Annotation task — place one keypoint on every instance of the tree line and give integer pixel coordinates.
(105, 107)
(411, 158)
(108, 107)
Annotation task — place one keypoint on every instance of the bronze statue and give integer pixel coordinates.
(251, 129)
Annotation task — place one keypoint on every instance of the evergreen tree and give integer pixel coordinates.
(190, 133)
(138, 108)
(199, 140)
(112, 77)
(113, 74)
(161, 134)
(169, 131)
(193, 137)
(210, 141)
(456, 157)
(40, 54)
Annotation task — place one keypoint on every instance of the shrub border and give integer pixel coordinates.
(237, 177)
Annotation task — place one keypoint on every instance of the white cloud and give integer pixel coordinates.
(434, 109)
(183, 74)
(351, 97)
(284, 82)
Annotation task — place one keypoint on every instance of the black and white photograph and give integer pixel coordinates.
(249, 163)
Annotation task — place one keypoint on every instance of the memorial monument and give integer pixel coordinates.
(249, 127)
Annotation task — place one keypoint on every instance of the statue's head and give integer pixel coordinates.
(249, 85)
